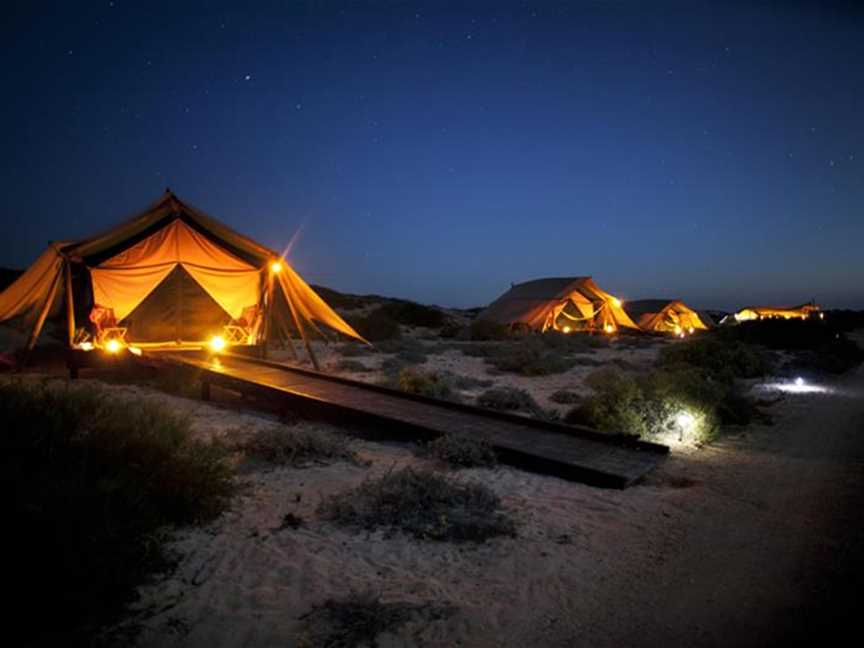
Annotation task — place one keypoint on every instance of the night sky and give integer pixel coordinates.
(712, 152)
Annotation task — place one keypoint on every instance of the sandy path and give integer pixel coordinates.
(751, 553)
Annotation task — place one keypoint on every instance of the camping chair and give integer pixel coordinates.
(244, 328)
(106, 326)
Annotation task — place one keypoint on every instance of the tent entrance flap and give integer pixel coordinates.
(177, 310)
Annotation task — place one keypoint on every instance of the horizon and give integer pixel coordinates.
(713, 153)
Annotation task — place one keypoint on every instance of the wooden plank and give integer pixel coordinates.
(571, 453)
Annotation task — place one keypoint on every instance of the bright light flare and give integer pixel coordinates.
(86, 346)
(617, 302)
(691, 330)
(797, 386)
(609, 328)
(135, 351)
(113, 346)
(217, 343)
(566, 329)
(276, 267)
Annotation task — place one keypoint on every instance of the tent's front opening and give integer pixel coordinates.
(178, 311)
(573, 317)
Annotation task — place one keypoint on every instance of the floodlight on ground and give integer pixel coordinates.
(217, 343)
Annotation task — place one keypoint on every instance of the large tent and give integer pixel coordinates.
(170, 276)
(559, 303)
(667, 316)
(779, 312)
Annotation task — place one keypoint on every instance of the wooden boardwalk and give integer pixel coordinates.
(570, 452)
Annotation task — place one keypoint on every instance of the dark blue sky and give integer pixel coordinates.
(708, 151)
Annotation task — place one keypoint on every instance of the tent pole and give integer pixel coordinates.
(268, 315)
(300, 328)
(40, 321)
(70, 306)
(283, 325)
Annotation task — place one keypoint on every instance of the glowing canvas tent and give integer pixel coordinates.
(559, 303)
(780, 312)
(170, 276)
(667, 316)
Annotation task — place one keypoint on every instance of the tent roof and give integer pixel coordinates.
(168, 208)
(638, 307)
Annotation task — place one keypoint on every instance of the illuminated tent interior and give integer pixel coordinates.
(779, 312)
(566, 304)
(667, 316)
(170, 276)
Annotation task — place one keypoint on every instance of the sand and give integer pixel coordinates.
(749, 541)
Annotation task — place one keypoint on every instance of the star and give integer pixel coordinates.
(248, 77)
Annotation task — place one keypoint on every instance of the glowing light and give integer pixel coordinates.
(821, 315)
(691, 330)
(275, 267)
(796, 387)
(799, 381)
(135, 351)
(86, 346)
(217, 343)
(684, 420)
(617, 302)
(566, 329)
(609, 328)
(113, 346)
(677, 330)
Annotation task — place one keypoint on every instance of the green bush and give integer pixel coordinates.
(433, 384)
(662, 405)
(720, 359)
(413, 314)
(376, 326)
(509, 399)
(423, 504)
(90, 479)
(530, 357)
(296, 447)
(462, 451)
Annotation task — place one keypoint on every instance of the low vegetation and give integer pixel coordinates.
(297, 447)
(510, 399)
(359, 619)
(91, 480)
(413, 314)
(375, 326)
(662, 405)
(426, 505)
(461, 451)
(565, 397)
(432, 384)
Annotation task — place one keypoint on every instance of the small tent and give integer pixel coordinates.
(170, 276)
(777, 312)
(667, 316)
(559, 303)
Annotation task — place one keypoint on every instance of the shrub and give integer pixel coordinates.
(423, 504)
(296, 447)
(376, 326)
(90, 479)
(358, 619)
(720, 359)
(530, 358)
(351, 365)
(565, 397)
(510, 399)
(667, 406)
(485, 330)
(433, 384)
(462, 451)
(413, 314)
